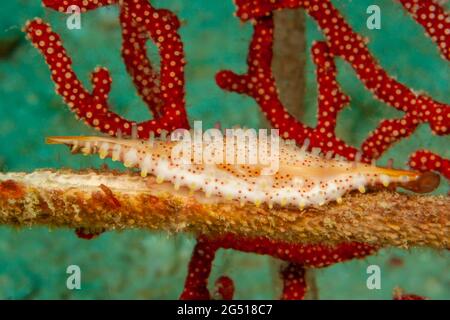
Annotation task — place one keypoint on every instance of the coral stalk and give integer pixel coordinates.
(105, 200)
(289, 59)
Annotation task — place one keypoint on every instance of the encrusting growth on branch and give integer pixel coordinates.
(116, 201)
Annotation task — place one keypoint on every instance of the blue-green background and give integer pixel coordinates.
(143, 265)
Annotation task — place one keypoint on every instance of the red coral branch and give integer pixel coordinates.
(409, 297)
(304, 255)
(196, 284)
(424, 160)
(294, 282)
(84, 5)
(134, 54)
(162, 27)
(259, 83)
(163, 92)
(434, 20)
(400, 295)
(343, 42)
(310, 256)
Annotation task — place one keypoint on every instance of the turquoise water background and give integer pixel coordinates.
(145, 265)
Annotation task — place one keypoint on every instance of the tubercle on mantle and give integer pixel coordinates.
(303, 178)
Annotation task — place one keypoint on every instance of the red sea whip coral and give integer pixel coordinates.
(342, 41)
(298, 256)
(163, 92)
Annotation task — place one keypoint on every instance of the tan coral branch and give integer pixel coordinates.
(123, 201)
(289, 59)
